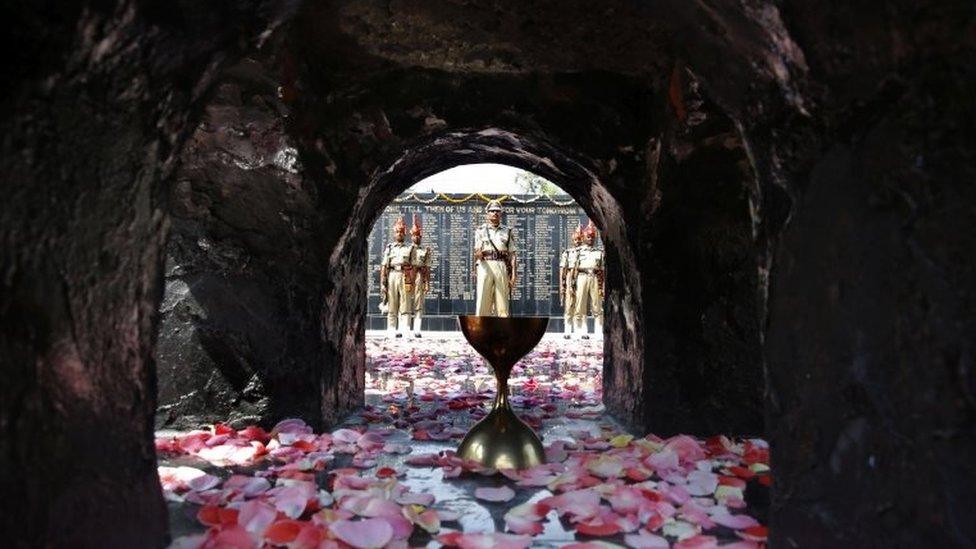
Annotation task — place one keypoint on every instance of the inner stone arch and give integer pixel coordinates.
(344, 316)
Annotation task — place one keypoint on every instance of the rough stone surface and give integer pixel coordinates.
(240, 334)
(872, 388)
(91, 118)
(854, 118)
(699, 268)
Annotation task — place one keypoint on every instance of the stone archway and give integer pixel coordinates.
(863, 126)
(343, 319)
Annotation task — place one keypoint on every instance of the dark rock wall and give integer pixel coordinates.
(872, 324)
(91, 119)
(699, 274)
(853, 116)
(240, 336)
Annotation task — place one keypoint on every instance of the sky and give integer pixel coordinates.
(490, 179)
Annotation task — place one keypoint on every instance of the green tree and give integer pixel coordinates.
(531, 183)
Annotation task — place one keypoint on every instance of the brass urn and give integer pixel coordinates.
(501, 440)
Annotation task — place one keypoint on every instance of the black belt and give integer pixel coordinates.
(399, 267)
(503, 256)
(590, 271)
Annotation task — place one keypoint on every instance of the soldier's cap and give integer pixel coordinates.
(493, 206)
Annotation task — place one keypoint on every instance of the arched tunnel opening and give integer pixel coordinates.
(783, 194)
(416, 356)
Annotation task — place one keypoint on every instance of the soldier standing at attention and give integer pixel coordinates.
(421, 267)
(396, 282)
(589, 271)
(567, 285)
(494, 255)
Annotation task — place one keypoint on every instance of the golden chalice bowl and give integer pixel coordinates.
(501, 440)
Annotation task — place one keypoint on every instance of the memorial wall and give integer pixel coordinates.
(541, 227)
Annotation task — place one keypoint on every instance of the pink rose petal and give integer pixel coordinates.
(363, 534)
(697, 542)
(645, 540)
(230, 537)
(735, 522)
(494, 494)
(249, 486)
(293, 425)
(484, 540)
(255, 516)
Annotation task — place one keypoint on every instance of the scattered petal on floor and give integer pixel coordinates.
(389, 476)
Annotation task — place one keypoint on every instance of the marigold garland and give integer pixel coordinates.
(485, 198)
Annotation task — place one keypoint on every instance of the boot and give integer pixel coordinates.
(581, 328)
(598, 327)
(567, 327)
(417, 323)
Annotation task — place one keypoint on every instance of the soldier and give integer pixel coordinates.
(421, 267)
(567, 285)
(589, 272)
(396, 280)
(494, 255)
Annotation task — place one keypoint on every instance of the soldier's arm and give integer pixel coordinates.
(476, 247)
(573, 271)
(383, 268)
(512, 257)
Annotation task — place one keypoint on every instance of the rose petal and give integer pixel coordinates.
(645, 540)
(363, 534)
(494, 494)
(697, 542)
(492, 540)
(232, 537)
(735, 522)
(283, 531)
(255, 516)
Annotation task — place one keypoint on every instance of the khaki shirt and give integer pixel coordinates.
(568, 257)
(421, 258)
(396, 254)
(588, 257)
(503, 237)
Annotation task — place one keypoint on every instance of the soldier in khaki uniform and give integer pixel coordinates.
(589, 271)
(494, 255)
(421, 268)
(396, 280)
(567, 285)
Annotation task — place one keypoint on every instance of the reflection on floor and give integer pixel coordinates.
(388, 477)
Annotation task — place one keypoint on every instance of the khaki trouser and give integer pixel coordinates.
(418, 302)
(493, 288)
(400, 302)
(588, 296)
(569, 309)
